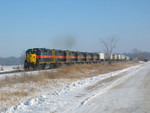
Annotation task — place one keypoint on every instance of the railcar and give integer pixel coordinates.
(82, 57)
(96, 58)
(101, 56)
(73, 57)
(90, 57)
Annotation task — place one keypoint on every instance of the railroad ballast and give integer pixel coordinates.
(41, 58)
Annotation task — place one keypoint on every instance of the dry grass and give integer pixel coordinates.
(16, 67)
(67, 72)
(11, 98)
(6, 95)
(12, 95)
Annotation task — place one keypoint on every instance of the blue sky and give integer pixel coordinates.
(28, 24)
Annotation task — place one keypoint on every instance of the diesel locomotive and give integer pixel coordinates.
(41, 58)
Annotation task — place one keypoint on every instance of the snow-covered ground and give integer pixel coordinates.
(90, 95)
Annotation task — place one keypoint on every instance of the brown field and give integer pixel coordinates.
(28, 84)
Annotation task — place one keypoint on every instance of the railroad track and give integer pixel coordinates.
(9, 72)
(17, 71)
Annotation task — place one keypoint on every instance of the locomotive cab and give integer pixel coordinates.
(31, 58)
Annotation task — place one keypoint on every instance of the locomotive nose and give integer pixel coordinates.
(31, 58)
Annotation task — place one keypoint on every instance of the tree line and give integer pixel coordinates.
(6, 61)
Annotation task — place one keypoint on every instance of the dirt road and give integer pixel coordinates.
(129, 96)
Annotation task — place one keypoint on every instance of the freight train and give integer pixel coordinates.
(41, 58)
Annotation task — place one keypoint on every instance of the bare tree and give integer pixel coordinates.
(109, 45)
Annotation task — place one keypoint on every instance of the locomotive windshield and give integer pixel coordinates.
(33, 51)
